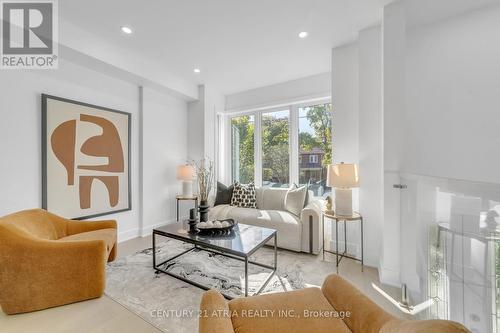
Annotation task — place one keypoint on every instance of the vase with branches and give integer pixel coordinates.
(205, 175)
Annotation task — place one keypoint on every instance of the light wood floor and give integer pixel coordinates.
(105, 315)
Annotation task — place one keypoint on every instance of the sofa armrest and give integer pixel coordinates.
(72, 271)
(214, 314)
(365, 316)
(312, 226)
(76, 227)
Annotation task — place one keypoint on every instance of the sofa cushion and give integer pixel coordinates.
(286, 312)
(295, 199)
(271, 198)
(107, 235)
(288, 225)
(244, 195)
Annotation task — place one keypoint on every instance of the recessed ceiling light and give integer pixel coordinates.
(126, 30)
(197, 70)
(303, 34)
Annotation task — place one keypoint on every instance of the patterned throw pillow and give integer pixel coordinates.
(244, 195)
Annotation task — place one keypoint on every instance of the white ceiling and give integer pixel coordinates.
(237, 44)
(426, 11)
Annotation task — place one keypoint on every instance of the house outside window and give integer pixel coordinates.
(313, 159)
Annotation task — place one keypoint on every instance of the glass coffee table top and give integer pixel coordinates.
(243, 240)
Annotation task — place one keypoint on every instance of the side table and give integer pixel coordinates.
(346, 219)
(183, 198)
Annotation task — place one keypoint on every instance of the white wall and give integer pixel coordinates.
(202, 119)
(164, 148)
(358, 132)
(214, 102)
(423, 101)
(315, 86)
(345, 100)
(371, 165)
(20, 144)
(196, 127)
(393, 77)
(452, 97)
(450, 121)
(20, 128)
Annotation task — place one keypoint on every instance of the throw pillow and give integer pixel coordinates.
(224, 194)
(244, 196)
(306, 200)
(295, 199)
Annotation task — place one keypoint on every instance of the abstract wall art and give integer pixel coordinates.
(86, 159)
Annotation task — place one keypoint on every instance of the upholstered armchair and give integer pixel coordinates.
(338, 307)
(47, 261)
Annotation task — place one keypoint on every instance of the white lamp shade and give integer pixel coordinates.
(186, 172)
(343, 175)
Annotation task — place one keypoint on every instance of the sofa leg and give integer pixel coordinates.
(310, 234)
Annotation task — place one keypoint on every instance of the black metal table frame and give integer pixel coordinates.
(339, 256)
(220, 251)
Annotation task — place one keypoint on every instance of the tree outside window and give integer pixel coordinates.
(242, 149)
(275, 149)
(315, 146)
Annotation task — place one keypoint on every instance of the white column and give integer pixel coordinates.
(393, 63)
(345, 94)
(371, 157)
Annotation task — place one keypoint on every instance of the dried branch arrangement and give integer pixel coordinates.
(205, 174)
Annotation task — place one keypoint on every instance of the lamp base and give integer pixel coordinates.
(343, 201)
(187, 188)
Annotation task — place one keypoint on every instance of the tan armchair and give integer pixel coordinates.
(309, 310)
(47, 261)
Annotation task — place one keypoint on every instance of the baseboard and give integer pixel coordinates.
(389, 276)
(128, 235)
(145, 231)
(148, 230)
(352, 248)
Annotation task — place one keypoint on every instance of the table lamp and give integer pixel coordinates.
(186, 174)
(343, 177)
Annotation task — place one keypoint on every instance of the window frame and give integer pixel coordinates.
(293, 141)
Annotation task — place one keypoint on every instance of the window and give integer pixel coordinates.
(275, 149)
(282, 146)
(242, 149)
(315, 141)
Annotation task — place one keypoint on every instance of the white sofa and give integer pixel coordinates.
(297, 233)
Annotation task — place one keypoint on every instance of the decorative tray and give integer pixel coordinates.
(216, 226)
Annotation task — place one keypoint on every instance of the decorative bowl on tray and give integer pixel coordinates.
(216, 226)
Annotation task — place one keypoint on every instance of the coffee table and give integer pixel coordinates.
(240, 244)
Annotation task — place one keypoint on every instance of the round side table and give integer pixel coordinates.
(355, 217)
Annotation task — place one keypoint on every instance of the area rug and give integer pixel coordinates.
(172, 305)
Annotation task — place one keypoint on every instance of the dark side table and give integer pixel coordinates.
(183, 198)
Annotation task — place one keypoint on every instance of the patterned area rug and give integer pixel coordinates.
(171, 304)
